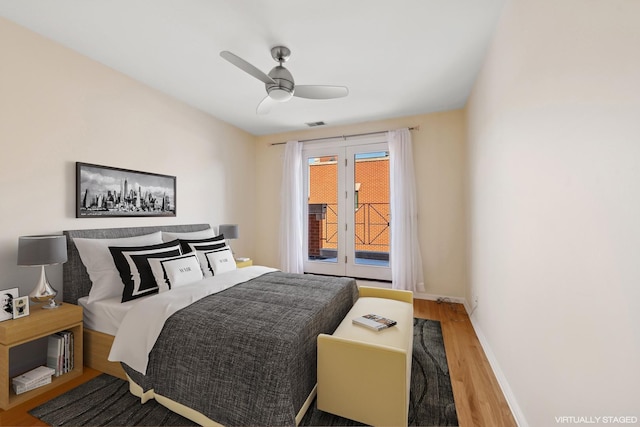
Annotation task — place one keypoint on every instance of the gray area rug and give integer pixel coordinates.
(106, 401)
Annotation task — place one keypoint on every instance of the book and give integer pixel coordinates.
(54, 353)
(71, 352)
(64, 364)
(374, 321)
(33, 376)
(18, 388)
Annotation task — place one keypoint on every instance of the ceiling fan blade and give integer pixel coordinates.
(265, 106)
(246, 67)
(320, 92)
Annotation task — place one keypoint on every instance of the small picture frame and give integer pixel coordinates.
(20, 307)
(6, 303)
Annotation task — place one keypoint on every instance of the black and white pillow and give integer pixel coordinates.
(171, 273)
(220, 261)
(135, 271)
(200, 246)
(207, 269)
(95, 255)
(211, 243)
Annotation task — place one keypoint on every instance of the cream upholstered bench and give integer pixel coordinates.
(363, 374)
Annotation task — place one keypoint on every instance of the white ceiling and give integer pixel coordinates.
(398, 58)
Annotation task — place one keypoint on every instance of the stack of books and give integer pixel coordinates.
(60, 352)
(33, 379)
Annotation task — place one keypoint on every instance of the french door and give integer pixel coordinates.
(347, 212)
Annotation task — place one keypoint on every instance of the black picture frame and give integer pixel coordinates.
(105, 191)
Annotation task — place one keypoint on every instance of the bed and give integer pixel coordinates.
(244, 355)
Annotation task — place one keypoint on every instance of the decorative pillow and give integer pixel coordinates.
(207, 270)
(189, 245)
(95, 255)
(171, 273)
(221, 261)
(134, 268)
(168, 236)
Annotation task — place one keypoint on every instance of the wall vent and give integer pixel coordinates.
(314, 124)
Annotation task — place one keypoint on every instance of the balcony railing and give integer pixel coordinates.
(371, 234)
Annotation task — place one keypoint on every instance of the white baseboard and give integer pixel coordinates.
(497, 371)
(432, 297)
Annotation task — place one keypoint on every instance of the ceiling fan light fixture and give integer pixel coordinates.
(279, 83)
(280, 94)
(282, 89)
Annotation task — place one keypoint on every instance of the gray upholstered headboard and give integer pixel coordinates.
(75, 279)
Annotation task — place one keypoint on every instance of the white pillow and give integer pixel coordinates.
(221, 261)
(206, 267)
(96, 257)
(174, 272)
(168, 236)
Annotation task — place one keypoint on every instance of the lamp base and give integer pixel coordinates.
(52, 304)
(44, 292)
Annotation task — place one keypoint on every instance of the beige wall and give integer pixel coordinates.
(58, 107)
(439, 152)
(554, 149)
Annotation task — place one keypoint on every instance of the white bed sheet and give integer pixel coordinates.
(105, 315)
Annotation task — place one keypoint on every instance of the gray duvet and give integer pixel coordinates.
(247, 355)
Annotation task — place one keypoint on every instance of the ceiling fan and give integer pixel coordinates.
(279, 82)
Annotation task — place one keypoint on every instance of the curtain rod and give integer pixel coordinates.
(343, 136)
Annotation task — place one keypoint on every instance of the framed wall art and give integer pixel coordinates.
(103, 191)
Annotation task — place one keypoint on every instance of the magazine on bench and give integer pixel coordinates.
(374, 321)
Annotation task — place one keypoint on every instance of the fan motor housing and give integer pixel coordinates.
(283, 89)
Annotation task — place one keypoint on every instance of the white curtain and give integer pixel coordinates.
(406, 261)
(291, 225)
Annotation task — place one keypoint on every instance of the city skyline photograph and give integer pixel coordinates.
(110, 191)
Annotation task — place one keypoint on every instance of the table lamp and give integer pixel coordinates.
(230, 231)
(42, 251)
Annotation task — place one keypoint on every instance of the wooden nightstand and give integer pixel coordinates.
(242, 264)
(40, 323)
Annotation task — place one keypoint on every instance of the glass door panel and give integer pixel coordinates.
(368, 241)
(322, 202)
(371, 208)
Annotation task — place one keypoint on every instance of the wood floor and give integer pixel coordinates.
(479, 400)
